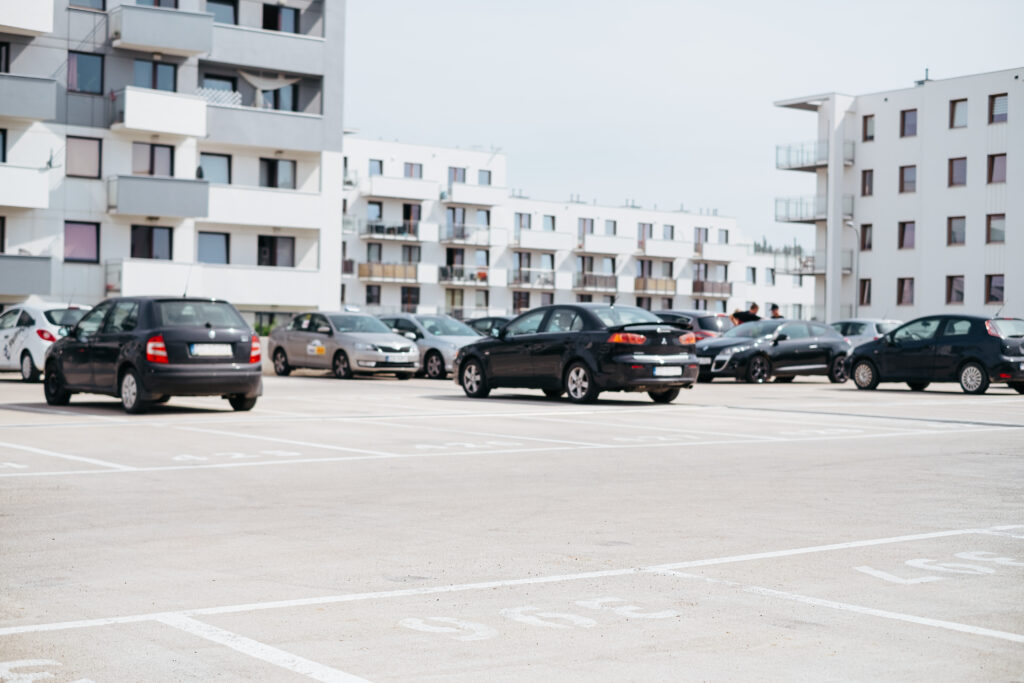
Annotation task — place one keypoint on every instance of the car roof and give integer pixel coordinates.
(692, 313)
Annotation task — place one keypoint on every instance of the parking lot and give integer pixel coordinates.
(381, 530)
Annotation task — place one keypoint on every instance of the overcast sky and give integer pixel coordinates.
(664, 102)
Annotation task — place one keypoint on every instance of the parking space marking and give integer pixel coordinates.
(65, 456)
(291, 442)
(257, 650)
(900, 418)
(460, 430)
(635, 426)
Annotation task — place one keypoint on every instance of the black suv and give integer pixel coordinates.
(972, 350)
(147, 349)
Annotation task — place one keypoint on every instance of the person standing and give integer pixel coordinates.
(775, 313)
(748, 316)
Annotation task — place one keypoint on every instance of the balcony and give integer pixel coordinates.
(542, 240)
(593, 282)
(275, 51)
(466, 233)
(475, 195)
(531, 278)
(606, 244)
(255, 127)
(388, 272)
(24, 188)
(24, 275)
(396, 231)
(26, 17)
(141, 110)
(808, 209)
(718, 252)
(139, 195)
(468, 312)
(266, 206)
(665, 248)
(654, 285)
(467, 276)
(809, 156)
(385, 187)
(246, 286)
(811, 264)
(28, 97)
(706, 288)
(156, 29)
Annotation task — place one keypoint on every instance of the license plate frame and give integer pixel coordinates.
(668, 370)
(211, 350)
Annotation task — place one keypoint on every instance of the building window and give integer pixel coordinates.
(483, 178)
(374, 252)
(547, 298)
(82, 242)
(611, 227)
(644, 232)
(150, 159)
(865, 292)
(410, 299)
(549, 223)
(956, 230)
(997, 168)
(85, 73)
(483, 218)
(456, 175)
(3, 234)
(643, 302)
(278, 173)
(82, 157)
(155, 75)
(150, 241)
(520, 301)
(172, 4)
(411, 214)
(285, 98)
(905, 291)
(522, 221)
(906, 237)
(770, 277)
(5, 58)
(216, 167)
(276, 251)
(376, 167)
(374, 211)
(723, 236)
(908, 123)
(958, 171)
(867, 182)
(223, 11)
(865, 236)
(88, 4)
(213, 247)
(225, 83)
(372, 295)
(868, 128)
(752, 275)
(700, 235)
(994, 289)
(644, 268)
(997, 108)
(908, 178)
(413, 170)
(411, 253)
(958, 113)
(995, 228)
(668, 232)
(276, 18)
(954, 289)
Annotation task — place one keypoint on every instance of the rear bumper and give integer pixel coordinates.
(206, 380)
(642, 372)
(1009, 369)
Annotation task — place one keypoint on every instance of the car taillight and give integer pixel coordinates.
(703, 334)
(254, 350)
(992, 329)
(687, 339)
(46, 335)
(626, 338)
(156, 350)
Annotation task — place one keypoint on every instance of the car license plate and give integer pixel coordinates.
(211, 350)
(704, 360)
(668, 371)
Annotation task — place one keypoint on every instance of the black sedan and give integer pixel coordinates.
(581, 350)
(146, 349)
(759, 350)
(972, 350)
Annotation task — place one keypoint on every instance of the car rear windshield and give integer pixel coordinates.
(359, 323)
(755, 329)
(198, 314)
(886, 328)
(1009, 327)
(613, 316)
(715, 323)
(65, 317)
(446, 327)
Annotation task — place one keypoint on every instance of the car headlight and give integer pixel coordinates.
(362, 346)
(731, 350)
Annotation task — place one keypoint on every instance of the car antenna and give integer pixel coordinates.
(1000, 311)
(188, 277)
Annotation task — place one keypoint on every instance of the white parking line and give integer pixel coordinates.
(65, 456)
(292, 442)
(463, 431)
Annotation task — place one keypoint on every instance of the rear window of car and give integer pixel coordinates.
(1012, 327)
(65, 317)
(445, 327)
(715, 323)
(612, 316)
(886, 328)
(198, 314)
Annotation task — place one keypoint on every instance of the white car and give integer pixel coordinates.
(27, 332)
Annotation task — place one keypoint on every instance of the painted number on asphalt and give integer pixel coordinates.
(9, 675)
(186, 457)
(930, 565)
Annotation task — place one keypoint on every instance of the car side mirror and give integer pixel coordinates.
(781, 337)
(410, 335)
(890, 339)
(496, 332)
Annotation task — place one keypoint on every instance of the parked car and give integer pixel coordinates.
(490, 326)
(759, 350)
(147, 349)
(972, 350)
(438, 337)
(581, 350)
(343, 342)
(27, 332)
(861, 330)
(703, 324)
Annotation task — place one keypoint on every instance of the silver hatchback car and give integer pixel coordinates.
(439, 337)
(345, 343)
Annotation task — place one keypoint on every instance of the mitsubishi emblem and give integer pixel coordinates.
(664, 341)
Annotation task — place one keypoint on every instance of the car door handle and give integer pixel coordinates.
(813, 346)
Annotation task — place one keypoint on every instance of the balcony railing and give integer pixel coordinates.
(607, 283)
(808, 156)
(654, 285)
(158, 29)
(25, 275)
(469, 275)
(403, 231)
(465, 233)
(811, 264)
(710, 288)
(388, 272)
(467, 312)
(158, 111)
(808, 209)
(542, 278)
(28, 97)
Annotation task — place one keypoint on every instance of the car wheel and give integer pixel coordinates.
(666, 396)
(918, 386)
(241, 403)
(785, 380)
(434, 366)
(53, 387)
(580, 384)
(340, 366)
(29, 373)
(474, 382)
(130, 390)
(553, 393)
(973, 379)
(758, 369)
(404, 375)
(1019, 388)
(281, 366)
(837, 371)
(864, 375)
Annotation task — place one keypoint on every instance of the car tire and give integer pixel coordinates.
(340, 366)
(865, 376)
(837, 371)
(474, 381)
(785, 380)
(665, 396)
(53, 387)
(29, 372)
(554, 393)
(129, 388)
(281, 366)
(433, 365)
(759, 369)
(1019, 387)
(404, 375)
(241, 403)
(580, 384)
(973, 378)
(918, 386)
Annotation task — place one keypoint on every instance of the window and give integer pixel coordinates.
(285, 98)
(374, 211)
(666, 269)
(522, 221)
(865, 292)
(723, 236)
(90, 4)
(521, 302)
(867, 183)
(700, 235)
(456, 175)
(149, 241)
(956, 230)
(770, 277)
(123, 318)
(376, 167)
(798, 280)
(549, 223)
(83, 157)
(82, 242)
(547, 298)
(150, 159)
(997, 168)
(906, 234)
(668, 232)
(372, 295)
(223, 11)
(997, 108)
(644, 268)
(173, 4)
(410, 299)
(905, 291)
(995, 228)
(958, 113)
(868, 128)
(483, 178)
(994, 289)
(373, 252)
(957, 328)
(411, 214)
(585, 226)
(908, 178)
(3, 234)
(276, 251)
(413, 170)
(85, 73)
(216, 167)
(411, 253)
(644, 231)
(954, 289)
(483, 218)
(277, 173)
(643, 302)
(225, 83)
(908, 123)
(213, 247)
(5, 57)
(155, 75)
(610, 227)
(752, 275)
(865, 236)
(958, 171)
(276, 18)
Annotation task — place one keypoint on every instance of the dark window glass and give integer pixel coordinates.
(955, 289)
(456, 175)
(82, 157)
(997, 108)
(376, 167)
(123, 318)
(154, 75)
(958, 114)
(413, 170)
(372, 295)
(216, 167)
(521, 301)
(213, 247)
(198, 314)
(5, 57)
(868, 130)
(908, 178)
(285, 98)
(997, 168)
(150, 159)
(91, 4)
(867, 183)
(906, 237)
(153, 242)
(223, 11)
(410, 297)
(865, 236)
(85, 73)
(277, 173)
(82, 242)
(220, 83)
(994, 289)
(995, 228)
(905, 294)
(276, 251)
(484, 178)
(3, 234)
(956, 230)
(865, 292)
(158, 3)
(276, 18)
(908, 123)
(958, 171)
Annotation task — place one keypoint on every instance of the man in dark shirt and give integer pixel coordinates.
(748, 316)
(775, 311)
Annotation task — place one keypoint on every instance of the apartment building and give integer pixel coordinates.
(433, 229)
(914, 210)
(172, 147)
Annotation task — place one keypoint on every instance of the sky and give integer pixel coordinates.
(667, 103)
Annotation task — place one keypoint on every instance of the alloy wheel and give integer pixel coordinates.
(471, 378)
(129, 390)
(578, 383)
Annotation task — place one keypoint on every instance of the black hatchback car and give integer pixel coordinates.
(147, 349)
(581, 350)
(972, 350)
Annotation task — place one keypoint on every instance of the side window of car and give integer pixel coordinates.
(795, 331)
(8, 319)
(528, 324)
(92, 320)
(299, 322)
(918, 330)
(124, 318)
(318, 323)
(25, 320)
(564, 320)
(406, 326)
(818, 330)
(957, 327)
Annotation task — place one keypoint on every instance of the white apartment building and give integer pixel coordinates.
(914, 210)
(172, 147)
(432, 229)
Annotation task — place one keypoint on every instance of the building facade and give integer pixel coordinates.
(915, 210)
